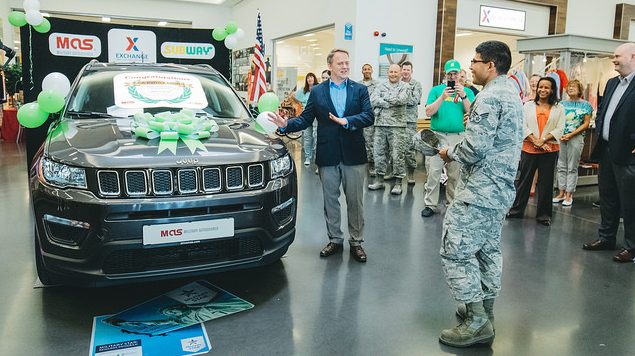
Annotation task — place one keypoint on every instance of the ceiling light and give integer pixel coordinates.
(105, 19)
(16, 41)
(15, 47)
(318, 54)
(162, 23)
(314, 44)
(280, 42)
(309, 35)
(45, 14)
(312, 40)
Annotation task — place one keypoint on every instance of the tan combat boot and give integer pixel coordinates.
(474, 329)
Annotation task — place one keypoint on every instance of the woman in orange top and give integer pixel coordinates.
(544, 124)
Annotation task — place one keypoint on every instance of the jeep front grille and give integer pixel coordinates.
(108, 182)
(256, 175)
(187, 181)
(162, 182)
(234, 178)
(179, 181)
(136, 183)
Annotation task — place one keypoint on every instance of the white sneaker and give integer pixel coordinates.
(567, 202)
(396, 190)
(557, 200)
(307, 162)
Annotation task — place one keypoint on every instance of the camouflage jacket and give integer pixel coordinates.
(414, 100)
(389, 100)
(490, 149)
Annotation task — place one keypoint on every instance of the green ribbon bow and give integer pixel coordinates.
(172, 127)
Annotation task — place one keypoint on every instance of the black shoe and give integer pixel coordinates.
(331, 248)
(599, 245)
(358, 254)
(513, 215)
(427, 212)
(596, 204)
(546, 222)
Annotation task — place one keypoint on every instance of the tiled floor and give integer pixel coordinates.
(556, 300)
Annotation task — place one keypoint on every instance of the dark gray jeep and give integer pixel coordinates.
(155, 171)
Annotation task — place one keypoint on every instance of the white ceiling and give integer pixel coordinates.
(227, 3)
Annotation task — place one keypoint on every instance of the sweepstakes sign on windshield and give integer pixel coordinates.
(158, 89)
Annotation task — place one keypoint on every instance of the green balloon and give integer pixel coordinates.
(43, 27)
(31, 115)
(17, 18)
(268, 102)
(50, 101)
(219, 34)
(231, 27)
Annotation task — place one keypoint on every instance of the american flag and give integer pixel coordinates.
(259, 85)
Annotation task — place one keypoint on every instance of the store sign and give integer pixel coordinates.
(502, 18)
(132, 46)
(187, 50)
(71, 45)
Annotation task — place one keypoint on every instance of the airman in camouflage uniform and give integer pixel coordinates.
(414, 99)
(489, 154)
(369, 131)
(390, 128)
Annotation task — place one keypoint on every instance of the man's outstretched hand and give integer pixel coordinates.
(280, 121)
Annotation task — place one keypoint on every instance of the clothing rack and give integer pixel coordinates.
(552, 63)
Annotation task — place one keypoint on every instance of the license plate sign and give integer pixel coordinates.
(187, 232)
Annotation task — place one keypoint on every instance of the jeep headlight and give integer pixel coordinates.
(61, 175)
(280, 167)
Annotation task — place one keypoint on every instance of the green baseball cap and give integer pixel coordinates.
(452, 66)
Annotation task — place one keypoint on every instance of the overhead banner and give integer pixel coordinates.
(131, 46)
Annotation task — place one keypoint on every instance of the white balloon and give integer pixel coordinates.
(57, 82)
(31, 5)
(231, 41)
(239, 33)
(263, 120)
(34, 18)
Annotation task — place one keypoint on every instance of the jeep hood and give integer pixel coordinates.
(110, 143)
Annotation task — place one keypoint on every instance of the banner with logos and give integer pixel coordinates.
(71, 44)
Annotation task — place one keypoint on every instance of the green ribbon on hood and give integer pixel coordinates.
(172, 127)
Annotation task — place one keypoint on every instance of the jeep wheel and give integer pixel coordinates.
(45, 276)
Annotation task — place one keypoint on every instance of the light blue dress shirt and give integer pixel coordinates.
(338, 96)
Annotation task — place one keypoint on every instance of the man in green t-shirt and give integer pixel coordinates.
(446, 105)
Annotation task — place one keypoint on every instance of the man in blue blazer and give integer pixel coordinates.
(615, 151)
(342, 109)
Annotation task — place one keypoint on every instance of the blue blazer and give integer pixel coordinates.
(336, 144)
(622, 129)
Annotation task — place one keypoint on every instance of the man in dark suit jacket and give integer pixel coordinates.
(615, 151)
(342, 109)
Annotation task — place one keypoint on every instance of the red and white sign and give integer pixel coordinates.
(188, 232)
(71, 45)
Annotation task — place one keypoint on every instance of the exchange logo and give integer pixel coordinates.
(186, 50)
(132, 46)
(71, 45)
(132, 43)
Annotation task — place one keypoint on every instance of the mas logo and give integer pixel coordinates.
(187, 50)
(132, 46)
(71, 45)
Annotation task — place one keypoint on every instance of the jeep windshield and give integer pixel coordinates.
(125, 92)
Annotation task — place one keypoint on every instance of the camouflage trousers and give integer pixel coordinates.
(411, 152)
(471, 251)
(369, 136)
(390, 141)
